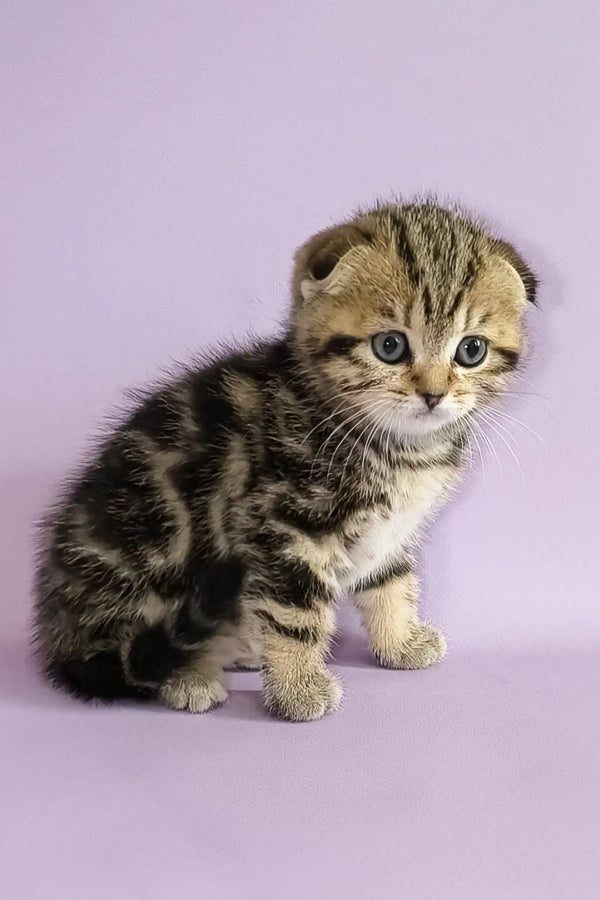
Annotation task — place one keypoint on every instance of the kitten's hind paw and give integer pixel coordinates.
(421, 647)
(195, 692)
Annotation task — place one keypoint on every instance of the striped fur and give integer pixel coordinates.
(218, 525)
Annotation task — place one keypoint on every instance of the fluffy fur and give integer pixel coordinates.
(218, 525)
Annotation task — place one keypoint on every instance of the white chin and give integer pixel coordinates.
(422, 424)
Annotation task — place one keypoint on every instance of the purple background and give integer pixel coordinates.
(161, 161)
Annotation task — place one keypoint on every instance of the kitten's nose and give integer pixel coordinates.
(432, 400)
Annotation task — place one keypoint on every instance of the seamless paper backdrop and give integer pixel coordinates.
(161, 161)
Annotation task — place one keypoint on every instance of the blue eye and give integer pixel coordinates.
(390, 346)
(471, 351)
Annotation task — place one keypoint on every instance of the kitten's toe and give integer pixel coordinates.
(421, 647)
(195, 693)
(302, 699)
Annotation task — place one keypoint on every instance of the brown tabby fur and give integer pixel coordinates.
(221, 522)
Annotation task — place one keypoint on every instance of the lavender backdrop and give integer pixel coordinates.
(161, 161)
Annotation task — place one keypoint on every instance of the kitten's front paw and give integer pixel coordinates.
(194, 692)
(301, 699)
(419, 648)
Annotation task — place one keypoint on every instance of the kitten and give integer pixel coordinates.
(218, 525)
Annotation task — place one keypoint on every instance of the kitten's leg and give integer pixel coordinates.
(296, 683)
(396, 636)
(207, 636)
(196, 686)
(183, 677)
(297, 628)
(246, 643)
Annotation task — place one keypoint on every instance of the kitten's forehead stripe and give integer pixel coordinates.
(403, 246)
(427, 303)
(456, 303)
(439, 249)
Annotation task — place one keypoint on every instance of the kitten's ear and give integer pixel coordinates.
(508, 253)
(317, 260)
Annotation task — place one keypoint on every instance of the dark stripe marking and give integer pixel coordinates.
(339, 345)
(510, 357)
(404, 249)
(308, 522)
(427, 303)
(295, 584)
(397, 569)
(456, 303)
(303, 635)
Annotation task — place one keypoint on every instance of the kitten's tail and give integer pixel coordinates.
(136, 667)
(101, 677)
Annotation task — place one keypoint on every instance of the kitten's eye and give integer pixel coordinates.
(390, 346)
(471, 351)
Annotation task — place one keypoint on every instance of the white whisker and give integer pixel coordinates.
(504, 415)
(365, 415)
(490, 447)
(507, 445)
(343, 395)
(355, 415)
(368, 442)
(484, 414)
(473, 434)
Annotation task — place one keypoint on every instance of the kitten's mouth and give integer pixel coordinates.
(426, 421)
(431, 414)
(415, 421)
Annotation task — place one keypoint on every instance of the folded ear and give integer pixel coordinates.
(508, 253)
(317, 260)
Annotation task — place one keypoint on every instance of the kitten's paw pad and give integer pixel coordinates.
(421, 648)
(302, 699)
(194, 693)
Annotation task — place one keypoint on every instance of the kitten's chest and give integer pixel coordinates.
(379, 535)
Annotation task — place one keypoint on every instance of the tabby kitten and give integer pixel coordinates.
(219, 524)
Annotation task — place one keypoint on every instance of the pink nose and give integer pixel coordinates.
(432, 400)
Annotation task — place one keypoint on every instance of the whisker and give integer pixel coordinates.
(512, 393)
(343, 395)
(473, 434)
(508, 446)
(356, 414)
(330, 416)
(372, 434)
(491, 448)
(364, 415)
(504, 415)
(349, 457)
(487, 418)
(389, 435)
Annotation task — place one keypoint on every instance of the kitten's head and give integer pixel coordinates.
(412, 314)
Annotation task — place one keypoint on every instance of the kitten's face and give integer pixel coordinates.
(410, 315)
